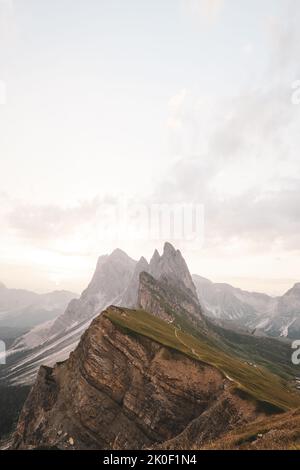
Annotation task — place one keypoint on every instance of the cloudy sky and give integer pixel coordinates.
(161, 102)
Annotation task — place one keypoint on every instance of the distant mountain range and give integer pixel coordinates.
(259, 313)
(22, 310)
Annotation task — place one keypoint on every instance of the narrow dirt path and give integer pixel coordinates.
(192, 350)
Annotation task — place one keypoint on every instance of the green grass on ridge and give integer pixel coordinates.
(257, 381)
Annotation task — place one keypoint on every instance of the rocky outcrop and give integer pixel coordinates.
(120, 390)
(172, 266)
(163, 300)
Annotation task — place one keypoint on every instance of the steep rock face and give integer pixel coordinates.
(122, 391)
(130, 297)
(166, 302)
(169, 268)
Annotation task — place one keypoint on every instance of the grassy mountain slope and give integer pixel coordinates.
(274, 354)
(258, 382)
(168, 302)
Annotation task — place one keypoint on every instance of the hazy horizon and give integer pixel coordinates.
(273, 287)
(161, 102)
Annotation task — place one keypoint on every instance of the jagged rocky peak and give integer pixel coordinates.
(155, 259)
(172, 265)
(111, 268)
(108, 284)
(169, 249)
(152, 297)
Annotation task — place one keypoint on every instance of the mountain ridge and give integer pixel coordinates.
(131, 384)
(116, 280)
